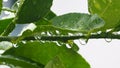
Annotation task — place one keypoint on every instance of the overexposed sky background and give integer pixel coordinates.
(98, 52)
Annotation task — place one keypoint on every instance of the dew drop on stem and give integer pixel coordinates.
(37, 37)
(108, 40)
(14, 45)
(82, 41)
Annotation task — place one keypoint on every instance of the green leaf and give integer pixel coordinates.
(32, 10)
(46, 53)
(0, 6)
(15, 62)
(50, 15)
(55, 63)
(78, 22)
(67, 59)
(37, 51)
(4, 24)
(42, 21)
(109, 10)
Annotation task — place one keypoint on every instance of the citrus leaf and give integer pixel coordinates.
(15, 62)
(50, 15)
(67, 59)
(78, 22)
(106, 9)
(55, 63)
(1, 5)
(42, 21)
(32, 10)
(4, 23)
(37, 51)
(43, 52)
(70, 23)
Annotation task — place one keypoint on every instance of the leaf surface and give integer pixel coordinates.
(67, 59)
(4, 23)
(50, 15)
(32, 10)
(78, 22)
(17, 62)
(49, 53)
(109, 10)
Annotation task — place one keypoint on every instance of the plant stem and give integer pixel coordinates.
(61, 38)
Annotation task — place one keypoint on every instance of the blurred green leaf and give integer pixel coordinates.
(109, 10)
(15, 62)
(0, 6)
(4, 24)
(78, 22)
(49, 53)
(32, 10)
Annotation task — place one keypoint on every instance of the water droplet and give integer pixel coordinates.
(108, 40)
(116, 33)
(37, 37)
(24, 42)
(82, 41)
(57, 32)
(58, 43)
(68, 46)
(99, 32)
(14, 45)
(42, 33)
(108, 30)
(70, 34)
(42, 41)
(48, 33)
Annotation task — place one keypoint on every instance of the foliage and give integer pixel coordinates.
(106, 9)
(51, 44)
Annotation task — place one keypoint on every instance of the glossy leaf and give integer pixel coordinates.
(109, 10)
(32, 10)
(49, 53)
(4, 24)
(70, 23)
(55, 63)
(37, 51)
(1, 5)
(15, 62)
(79, 22)
(67, 59)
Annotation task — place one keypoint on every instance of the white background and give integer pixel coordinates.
(98, 52)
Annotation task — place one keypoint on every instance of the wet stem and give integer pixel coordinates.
(62, 38)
